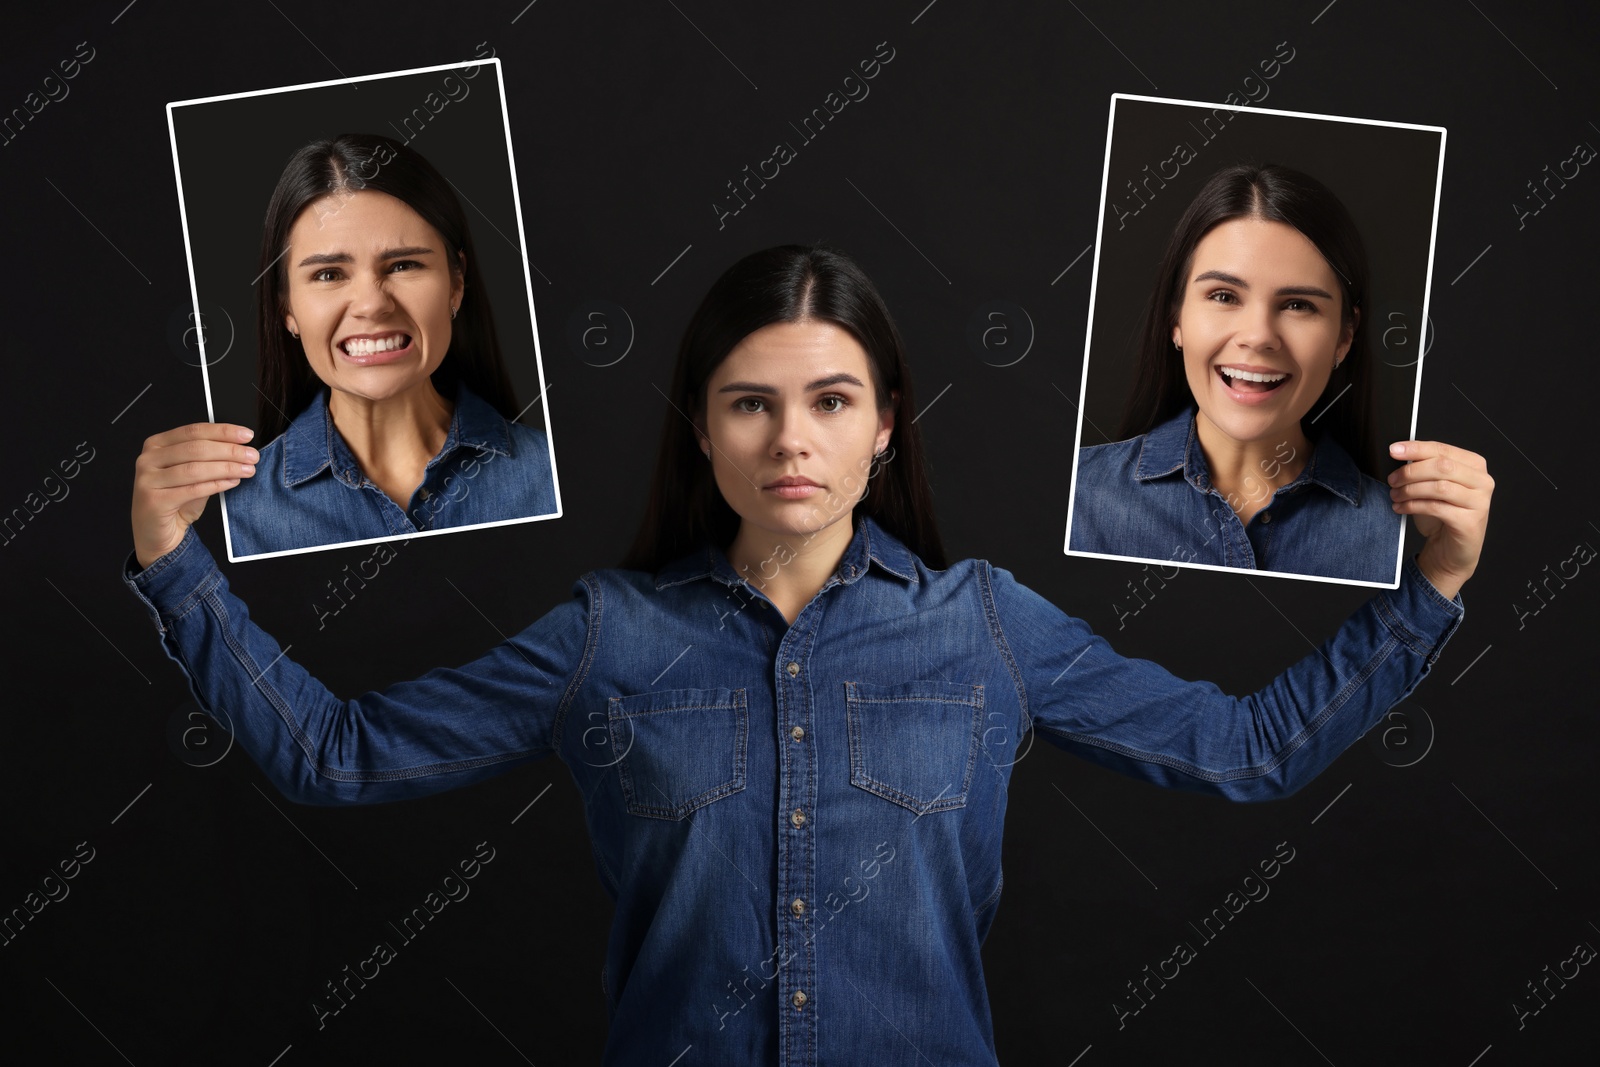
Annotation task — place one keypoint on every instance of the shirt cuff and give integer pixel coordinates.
(1418, 614)
(175, 582)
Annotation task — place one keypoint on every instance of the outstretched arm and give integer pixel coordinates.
(1134, 716)
(446, 729)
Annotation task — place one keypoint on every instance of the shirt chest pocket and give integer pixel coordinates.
(680, 749)
(914, 743)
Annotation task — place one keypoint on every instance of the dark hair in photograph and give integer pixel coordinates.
(789, 283)
(343, 166)
(1279, 194)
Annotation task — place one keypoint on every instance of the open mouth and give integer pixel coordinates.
(365, 347)
(1243, 381)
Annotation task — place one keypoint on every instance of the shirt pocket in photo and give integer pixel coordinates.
(679, 749)
(914, 743)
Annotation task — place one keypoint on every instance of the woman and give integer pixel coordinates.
(403, 414)
(793, 724)
(1246, 441)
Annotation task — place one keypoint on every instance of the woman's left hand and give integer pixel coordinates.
(1446, 491)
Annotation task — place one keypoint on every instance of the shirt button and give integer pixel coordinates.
(799, 998)
(798, 733)
(1266, 516)
(799, 817)
(798, 906)
(793, 669)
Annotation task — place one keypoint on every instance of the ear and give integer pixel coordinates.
(459, 283)
(886, 421)
(1348, 336)
(1177, 338)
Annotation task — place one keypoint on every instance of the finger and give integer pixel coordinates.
(201, 450)
(1458, 518)
(1413, 450)
(196, 431)
(182, 494)
(1440, 489)
(1441, 467)
(188, 475)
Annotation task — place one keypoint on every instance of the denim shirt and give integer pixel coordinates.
(799, 823)
(309, 491)
(1151, 496)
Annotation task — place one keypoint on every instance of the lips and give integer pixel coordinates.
(1251, 384)
(369, 349)
(793, 487)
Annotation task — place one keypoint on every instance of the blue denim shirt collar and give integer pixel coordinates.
(871, 543)
(311, 445)
(1175, 445)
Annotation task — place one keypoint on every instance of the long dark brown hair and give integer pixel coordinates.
(343, 166)
(788, 283)
(1279, 194)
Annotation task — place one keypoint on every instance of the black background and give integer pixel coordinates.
(1421, 899)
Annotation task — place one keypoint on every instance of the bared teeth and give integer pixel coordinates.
(365, 347)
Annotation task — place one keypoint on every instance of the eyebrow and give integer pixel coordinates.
(322, 258)
(1288, 290)
(820, 383)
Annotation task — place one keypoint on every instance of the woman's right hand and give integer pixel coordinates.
(176, 473)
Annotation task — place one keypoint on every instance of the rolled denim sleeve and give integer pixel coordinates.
(448, 728)
(1134, 716)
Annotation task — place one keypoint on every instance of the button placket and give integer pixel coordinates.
(796, 843)
(1237, 549)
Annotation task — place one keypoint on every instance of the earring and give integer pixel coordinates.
(294, 335)
(453, 312)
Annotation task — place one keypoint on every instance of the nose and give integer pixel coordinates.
(790, 431)
(1258, 327)
(369, 296)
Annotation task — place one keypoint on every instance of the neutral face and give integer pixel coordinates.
(1259, 329)
(370, 294)
(793, 403)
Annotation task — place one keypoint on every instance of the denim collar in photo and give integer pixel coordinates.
(1174, 446)
(311, 444)
(871, 543)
